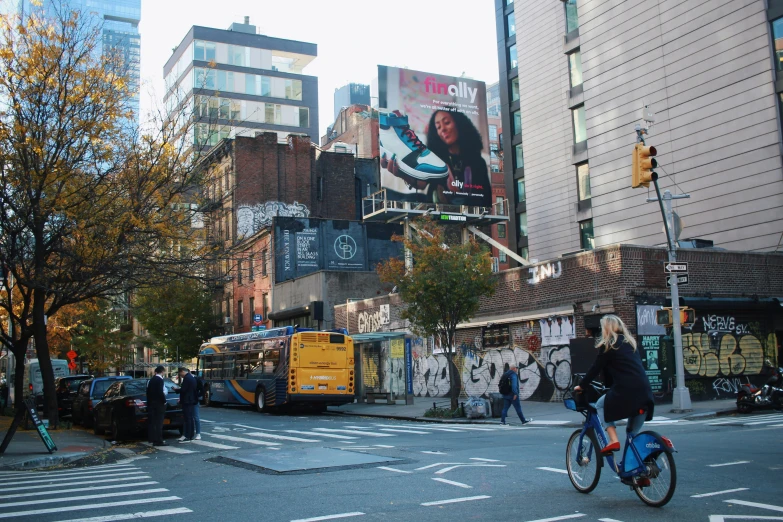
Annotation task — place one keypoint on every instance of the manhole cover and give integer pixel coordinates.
(304, 460)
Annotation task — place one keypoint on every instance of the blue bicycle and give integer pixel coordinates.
(647, 465)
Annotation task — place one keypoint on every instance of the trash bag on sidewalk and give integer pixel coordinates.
(477, 408)
(496, 400)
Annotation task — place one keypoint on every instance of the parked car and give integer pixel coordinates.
(123, 409)
(90, 392)
(66, 390)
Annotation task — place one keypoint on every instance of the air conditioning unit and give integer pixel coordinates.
(495, 265)
(227, 320)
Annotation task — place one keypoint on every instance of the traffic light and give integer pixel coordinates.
(664, 317)
(643, 163)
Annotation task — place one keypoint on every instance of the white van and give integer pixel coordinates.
(33, 382)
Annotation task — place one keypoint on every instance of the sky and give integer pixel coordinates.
(449, 37)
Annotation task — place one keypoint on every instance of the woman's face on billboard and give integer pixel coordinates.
(446, 128)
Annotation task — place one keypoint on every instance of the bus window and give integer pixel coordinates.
(256, 364)
(215, 367)
(336, 339)
(271, 360)
(242, 365)
(206, 366)
(229, 366)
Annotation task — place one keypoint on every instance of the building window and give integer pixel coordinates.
(583, 179)
(524, 252)
(515, 89)
(493, 132)
(580, 132)
(236, 55)
(519, 157)
(252, 306)
(777, 37)
(509, 2)
(241, 313)
(239, 271)
(204, 51)
(502, 257)
(512, 57)
(264, 305)
(522, 221)
(517, 117)
(511, 25)
(304, 117)
(501, 231)
(263, 262)
(251, 268)
(575, 66)
(521, 190)
(572, 19)
(586, 236)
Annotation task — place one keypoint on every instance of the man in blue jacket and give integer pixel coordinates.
(513, 396)
(188, 398)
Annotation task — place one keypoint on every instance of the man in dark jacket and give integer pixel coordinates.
(188, 397)
(513, 397)
(156, 407)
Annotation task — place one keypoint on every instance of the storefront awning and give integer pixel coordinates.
(478, 322)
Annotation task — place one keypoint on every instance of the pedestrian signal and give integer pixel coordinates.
(664, 317)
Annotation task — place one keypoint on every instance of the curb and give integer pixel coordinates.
(709, 414)
(48, 461)
(443, 421)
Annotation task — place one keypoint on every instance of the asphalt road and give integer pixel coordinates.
(394, 470)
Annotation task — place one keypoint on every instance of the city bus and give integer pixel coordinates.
(278, 367)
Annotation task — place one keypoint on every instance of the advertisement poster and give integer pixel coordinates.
(434, 138)
(651, 355)
(645, 320)
(557, 330)
(345, 245)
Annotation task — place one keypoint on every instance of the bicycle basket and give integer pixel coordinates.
(576, 401)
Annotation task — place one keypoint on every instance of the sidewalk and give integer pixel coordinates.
(27, 450)
(543, 413)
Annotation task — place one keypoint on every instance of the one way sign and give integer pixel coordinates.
(682, 280)
(672, 268)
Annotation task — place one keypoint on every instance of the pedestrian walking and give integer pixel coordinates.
(196, 414)
(188, 398)
(509, 388)
(156, 407)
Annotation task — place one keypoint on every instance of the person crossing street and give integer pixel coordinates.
(188, 397)
(509, 388)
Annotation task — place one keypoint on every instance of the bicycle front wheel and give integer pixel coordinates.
(662, 474)
(583, 461)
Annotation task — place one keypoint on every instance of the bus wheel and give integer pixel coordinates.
(260, 400)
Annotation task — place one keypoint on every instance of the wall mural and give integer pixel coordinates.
(252, 218)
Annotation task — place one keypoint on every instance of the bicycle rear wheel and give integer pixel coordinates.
(584, 464)
(662, 475)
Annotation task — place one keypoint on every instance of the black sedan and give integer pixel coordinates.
(123, 409)
(66, 391)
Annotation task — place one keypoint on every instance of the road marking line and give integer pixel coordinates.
(776, 426)
(732, 421)
(554, 519)
(728, 464)
(437, 464)
(434, 428)
(458, 484)
(352, 427)
(74, 483)
(92, 488)
(209, 421)
(660, 418)
(62, 478)
(454, 500)
(433, 452)
(723, 518)
(719, 492)
(770, 421)
(85, 507)
(393, 469)
(484, 460)
(108, 467)
(415, 432)
(446, 470)
(66, 473)
(382, 446)
(129, 516)
(174, 449)
(556, 470)
(330, 517)
(213, 444)
(755, 504)
(84, 497)
(282, 437)
(549, 423)
(608, 520)
(354, 432)
(329, 435)
(241, 439)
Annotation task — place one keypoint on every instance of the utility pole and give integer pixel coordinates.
(643, 175)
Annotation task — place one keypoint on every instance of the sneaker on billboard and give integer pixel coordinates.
(197, 437)
(398, 141)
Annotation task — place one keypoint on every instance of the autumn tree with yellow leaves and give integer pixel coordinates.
(90, 206)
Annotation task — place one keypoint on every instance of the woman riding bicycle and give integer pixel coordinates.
(630, 395)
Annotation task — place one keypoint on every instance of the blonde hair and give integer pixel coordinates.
(615, 327)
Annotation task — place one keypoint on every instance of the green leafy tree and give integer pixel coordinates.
(97, 338)
(443, 288)
(178, 317)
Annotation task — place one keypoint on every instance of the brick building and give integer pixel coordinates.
(354, 128)
(544, 317)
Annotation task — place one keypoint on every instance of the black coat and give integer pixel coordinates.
(630, 391)
(187, 391)
(155, 391)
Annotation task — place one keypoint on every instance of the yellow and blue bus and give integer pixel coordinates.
(278, 367)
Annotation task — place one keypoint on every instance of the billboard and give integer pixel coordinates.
(434, 138)
(305, 245)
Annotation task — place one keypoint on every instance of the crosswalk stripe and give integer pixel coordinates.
(354, 432)
(407, 431)
(174, 449)
(107, 467)
(450, 430)
(213, 444)
(124, 479)
(242, 439)
(762, 422)
(130, 516)
(329, 435)
(69, 473)
(63, 478)
(91, 488)
(470, 428)
(113, 494)
(85, 507)
(280, 437)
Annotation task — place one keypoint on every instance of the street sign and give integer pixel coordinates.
(71, 365)
(682, 279)
(672, 268)
(72, 355)
(257, 318)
